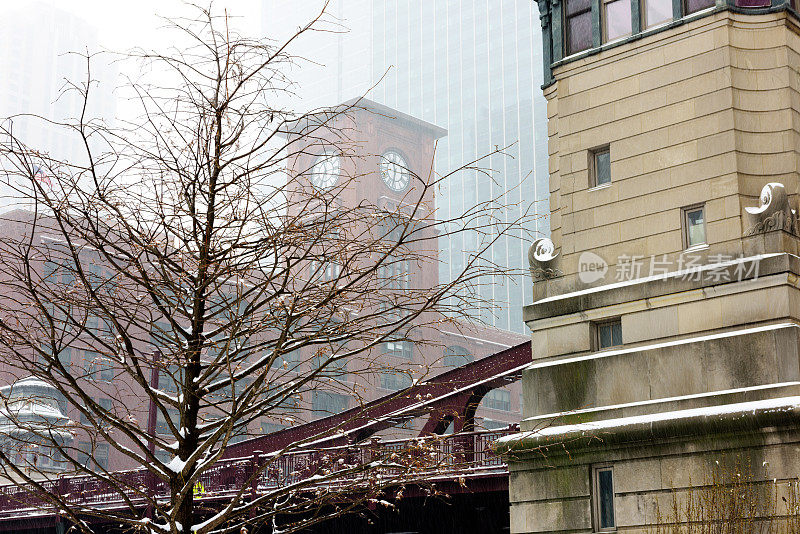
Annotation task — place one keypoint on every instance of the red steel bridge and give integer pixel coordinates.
(465, 467)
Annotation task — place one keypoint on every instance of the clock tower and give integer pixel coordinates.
(364, 153)
(368, 156)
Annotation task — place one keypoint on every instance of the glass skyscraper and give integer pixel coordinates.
(470, 66)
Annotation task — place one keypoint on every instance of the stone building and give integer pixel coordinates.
(30, 410)
(666, 308)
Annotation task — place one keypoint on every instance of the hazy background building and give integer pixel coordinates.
(44, 50)
(470, 66)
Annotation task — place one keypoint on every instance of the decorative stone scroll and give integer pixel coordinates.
(773, 213)
(541, 257)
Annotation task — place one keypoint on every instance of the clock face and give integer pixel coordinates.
(325, 172)
(394, 171)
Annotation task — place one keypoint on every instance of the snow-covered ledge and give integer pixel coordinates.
(729, 418)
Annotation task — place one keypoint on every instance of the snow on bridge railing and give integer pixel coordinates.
(419, 459)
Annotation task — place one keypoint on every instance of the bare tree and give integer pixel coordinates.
(190, 260)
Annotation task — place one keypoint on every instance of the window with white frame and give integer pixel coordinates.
(399, 349)
(394, 274)
(600, 166)
(694, 225)
(655, 12)
(617, 19)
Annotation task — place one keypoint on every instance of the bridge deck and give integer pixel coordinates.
(463, 461)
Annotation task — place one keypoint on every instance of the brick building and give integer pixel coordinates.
(387, 149)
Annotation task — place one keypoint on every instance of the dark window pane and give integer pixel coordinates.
(616, 334)
(618, 19)
(65, 357)
(498, 399)
(605, 336)
(657, 12)
(578, 6)
(101, 455)
(602, 167)
(753, 3)
(456, 356)
(606, 498)
(609, 334)
(697, 5)
(579, 32)
(325, 404)
(269, 428)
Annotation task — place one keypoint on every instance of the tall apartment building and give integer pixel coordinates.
(665, 321)
(471, 67)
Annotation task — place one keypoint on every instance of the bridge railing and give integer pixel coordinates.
(423, 458)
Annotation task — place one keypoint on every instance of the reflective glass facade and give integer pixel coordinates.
(473, 67)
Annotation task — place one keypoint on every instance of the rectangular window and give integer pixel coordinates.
(755, 3)
(85, 420)
(49, 271)
(617, 17)
(240, 433)
(324, 272)
(403, 350)
(395, 380)
(83, 453)
(603, 498)
(92, 459)
(169, 378)
(105, 404)
(693, 6)
(283, 398)
(97, 367)
(325, 403)
(332, 367)
(490, 424)
(65, 358)
(456, 356)
(656, 12)
(694, 226)
(600, 166)
(608, 334)
(498, 399)
(98, 326)
(101, 455)
(106, 370)
(394, 274)
(269, 428)
(578, 25)
(161, 334)
(162, 427)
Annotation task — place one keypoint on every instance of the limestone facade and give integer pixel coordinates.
(701, 114)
